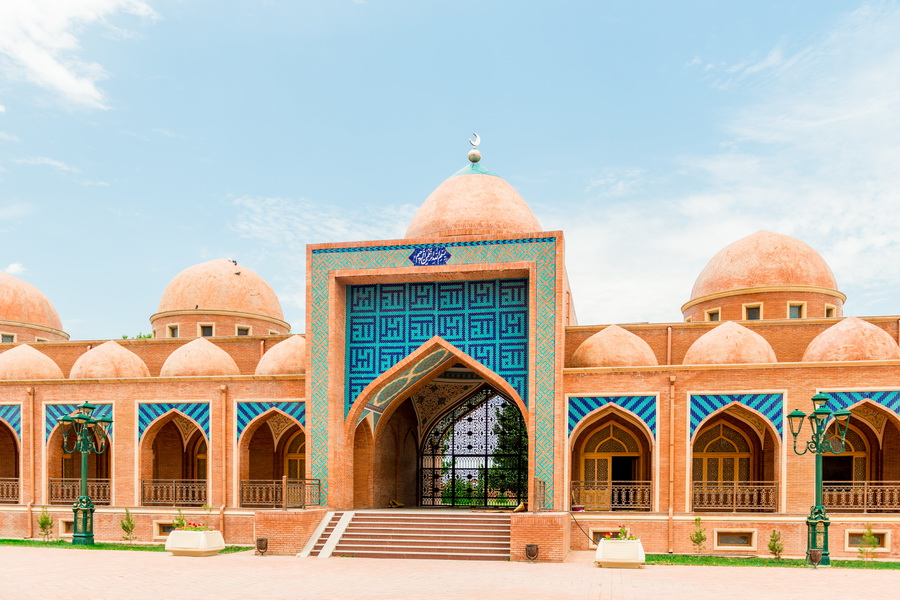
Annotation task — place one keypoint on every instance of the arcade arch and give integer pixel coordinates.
(173, 463)
(273, 447)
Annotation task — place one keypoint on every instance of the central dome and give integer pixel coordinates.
(26, 312)
(474, 201)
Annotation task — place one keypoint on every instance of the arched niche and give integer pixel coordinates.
(173, 462)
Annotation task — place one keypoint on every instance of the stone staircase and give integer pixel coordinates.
(434, 534)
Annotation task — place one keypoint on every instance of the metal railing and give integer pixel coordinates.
(612, 495)
(9, 490)
(861, 496)
(173, 492)
(67, 490)
(283, 493)
(735, 496)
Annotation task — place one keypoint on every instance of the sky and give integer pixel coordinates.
(141, 137)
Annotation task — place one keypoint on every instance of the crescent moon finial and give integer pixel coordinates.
(476, 142)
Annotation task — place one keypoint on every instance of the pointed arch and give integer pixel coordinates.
(381, 397)
(875, 415)
(173, 454)
(598, 413)
(756, 420)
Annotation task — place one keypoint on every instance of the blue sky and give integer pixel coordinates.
(138, 138)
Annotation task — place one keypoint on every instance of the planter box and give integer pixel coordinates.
(195, 543)
(620, 554)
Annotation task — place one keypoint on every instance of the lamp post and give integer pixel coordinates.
(91, 435)
(817, 522)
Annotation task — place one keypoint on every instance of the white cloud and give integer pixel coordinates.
(8, 137)
(39, 43)
(15, 268)
(2, 109)
(812, 153)
(48, 162)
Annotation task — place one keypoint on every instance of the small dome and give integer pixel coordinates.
(764, 259)
(21, 302)
(613, 347)
(23, 363)
(287, 357)
(474, 201)
(729, 343)
(220, 285)
(199, 358)
(109, 360)
(852, 339)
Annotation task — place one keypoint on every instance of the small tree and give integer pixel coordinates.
(179, 521)
(698, 536)
(776, 547)
(45, 524)
(868, 544)
(128, 526)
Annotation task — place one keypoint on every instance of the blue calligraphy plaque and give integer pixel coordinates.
(427, 256)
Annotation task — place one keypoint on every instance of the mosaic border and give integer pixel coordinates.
(643, 406)
(769, 404)
(247, 411)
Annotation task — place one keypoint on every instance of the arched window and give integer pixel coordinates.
(295, 457)
(722, 453)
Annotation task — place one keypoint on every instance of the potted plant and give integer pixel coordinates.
(193, 539)
(621, 550)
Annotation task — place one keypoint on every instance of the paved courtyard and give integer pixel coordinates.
(98, 575)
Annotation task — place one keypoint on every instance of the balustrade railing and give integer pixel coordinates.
(9, 490)
(735, 496)
(861, 496)
(281, 493)
(67, 490)
(612, 495)
(173, 492)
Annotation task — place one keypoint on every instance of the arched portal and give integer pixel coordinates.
(174, 463)
(611, 464)
(414, 454)
(272, 462)
(64, 471)
(733, 466)
(9, 465)
(863, 478)
(476, 454)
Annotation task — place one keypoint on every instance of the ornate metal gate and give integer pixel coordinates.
(476, 454)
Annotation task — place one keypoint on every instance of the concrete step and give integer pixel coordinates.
(425, 555)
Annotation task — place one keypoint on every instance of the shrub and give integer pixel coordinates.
(776, 547)
(869, 543)
(698, 536)
(45, 524)
(128, 526)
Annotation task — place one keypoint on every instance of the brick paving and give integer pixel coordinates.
(99, 575)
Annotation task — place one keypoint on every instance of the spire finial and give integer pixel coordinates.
(474, 153)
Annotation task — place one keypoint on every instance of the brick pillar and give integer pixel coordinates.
(549, 530)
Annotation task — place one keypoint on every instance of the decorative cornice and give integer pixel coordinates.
(220, 313)
(35, 326)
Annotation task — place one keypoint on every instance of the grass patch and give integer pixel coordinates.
(755, 561)
(106, 546)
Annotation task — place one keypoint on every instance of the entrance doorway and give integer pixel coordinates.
(476, 454)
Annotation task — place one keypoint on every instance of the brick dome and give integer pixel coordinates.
(768, 269)
(613, 347)
(227, 296)
(852, 339)
(287, 357)
(109, 360)
(729, 343)
(26, 312)
(197, 359)
(23, 363)
(474, 201)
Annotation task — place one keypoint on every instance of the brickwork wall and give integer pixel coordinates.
(550, 531)
(223, 326)
(287, 531)
(25, 335)
(774, 305)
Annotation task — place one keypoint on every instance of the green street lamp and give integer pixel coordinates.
(817, 522)
(91, 435)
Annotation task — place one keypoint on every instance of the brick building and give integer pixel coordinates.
(447, 369)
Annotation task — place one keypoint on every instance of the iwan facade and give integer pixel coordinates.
(446, 371)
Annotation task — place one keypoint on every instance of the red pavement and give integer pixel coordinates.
(99, 575)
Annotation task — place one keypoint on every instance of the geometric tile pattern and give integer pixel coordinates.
(888, 399)
(435, 398)
(52, 413)
(403, 381)
(771, 406)
(644, 407)
(541, 252)
(247, 411)
(12, 414)
(198, 412)
(488, 320)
